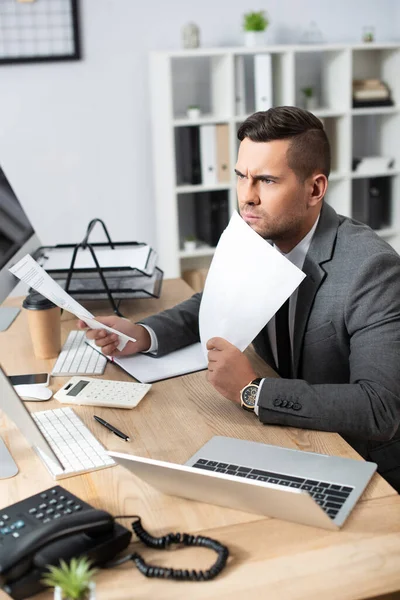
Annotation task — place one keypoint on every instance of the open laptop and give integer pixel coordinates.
(304, 487)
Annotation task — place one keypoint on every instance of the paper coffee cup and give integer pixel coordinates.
(44, 325)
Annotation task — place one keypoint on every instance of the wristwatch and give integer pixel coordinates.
(249, 393)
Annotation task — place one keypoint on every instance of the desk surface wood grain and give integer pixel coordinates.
(171, 423)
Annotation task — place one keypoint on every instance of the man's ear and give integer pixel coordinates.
(318, 187)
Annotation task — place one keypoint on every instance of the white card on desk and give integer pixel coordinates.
(147, 368)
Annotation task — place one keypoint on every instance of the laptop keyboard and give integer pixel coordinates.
(329, 496)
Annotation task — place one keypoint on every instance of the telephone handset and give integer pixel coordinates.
(53, 525)
(17, 563)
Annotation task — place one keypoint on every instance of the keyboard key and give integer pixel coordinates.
(223, 465)
(331, 492)
(347, 489)
(311, 482)
(333, 505)
(205, 467)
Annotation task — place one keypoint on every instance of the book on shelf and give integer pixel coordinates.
(208, 154)
(188, 162)
(211, 215)
(223, 162)
(263, 81)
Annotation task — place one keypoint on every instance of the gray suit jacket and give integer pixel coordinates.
(346, 372)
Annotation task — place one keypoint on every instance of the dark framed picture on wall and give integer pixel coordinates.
(39, 31)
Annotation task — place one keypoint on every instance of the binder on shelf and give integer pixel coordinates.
(223, 163)
(101, 271)
(188, 165)
(263, 81)
(208, 154)
(240, 86)
(371, 201)
(212, 215)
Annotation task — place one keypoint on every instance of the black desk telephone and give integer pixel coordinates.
(46, 527)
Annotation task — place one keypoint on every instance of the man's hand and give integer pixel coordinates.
(228, 369)
(108, 341)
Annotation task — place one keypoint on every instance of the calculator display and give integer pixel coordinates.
(78, 388)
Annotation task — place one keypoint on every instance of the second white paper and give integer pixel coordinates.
(247, 283)
(31, 273)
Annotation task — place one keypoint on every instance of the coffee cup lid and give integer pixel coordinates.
(35, 301)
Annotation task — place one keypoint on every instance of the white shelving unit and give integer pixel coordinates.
(208, 77)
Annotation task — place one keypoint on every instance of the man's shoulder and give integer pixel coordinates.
(361, 240)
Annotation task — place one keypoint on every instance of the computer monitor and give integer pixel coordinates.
(17, 238)
(12, 405)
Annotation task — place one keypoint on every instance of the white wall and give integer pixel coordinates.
(74, 137)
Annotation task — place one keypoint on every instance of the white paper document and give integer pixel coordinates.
(247, 283)
(31, 273)
(147, 368)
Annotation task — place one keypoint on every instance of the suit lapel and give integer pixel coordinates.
(320, 251)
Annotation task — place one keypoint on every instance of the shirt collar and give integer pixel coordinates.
(298, 254)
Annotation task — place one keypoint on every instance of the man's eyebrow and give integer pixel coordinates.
(259, 177)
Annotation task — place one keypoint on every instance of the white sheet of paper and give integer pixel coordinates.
(247, 283)
(31, 273)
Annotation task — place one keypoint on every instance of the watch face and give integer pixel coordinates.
(249, 395)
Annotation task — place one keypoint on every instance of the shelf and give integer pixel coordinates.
(185, 121)
(202, 251)
(387, 232)
(223, 81)
(375, 110)
(387, 173)
(191, 189)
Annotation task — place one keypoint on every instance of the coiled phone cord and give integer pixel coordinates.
(164, 542)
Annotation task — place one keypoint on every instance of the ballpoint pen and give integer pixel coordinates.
(111, 428)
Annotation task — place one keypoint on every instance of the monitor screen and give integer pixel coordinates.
(17, 236)
(15, 228)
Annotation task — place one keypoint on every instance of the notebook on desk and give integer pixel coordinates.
(147, 368)
(303, 487)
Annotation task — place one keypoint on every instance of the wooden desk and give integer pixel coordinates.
(176, 417)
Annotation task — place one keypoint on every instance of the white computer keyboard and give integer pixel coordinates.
(77, 358)
(72, 442)
(102, 392)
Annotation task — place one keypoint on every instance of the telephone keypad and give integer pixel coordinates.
(24, 516)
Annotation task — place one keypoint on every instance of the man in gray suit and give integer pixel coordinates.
(340, 369)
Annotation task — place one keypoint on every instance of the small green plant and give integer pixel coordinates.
(74, 578)
(255, 21)
(193, 106)
(308, 92)
(190, 238)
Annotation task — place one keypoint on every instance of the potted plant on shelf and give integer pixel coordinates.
(189, 243)
(72, 581)
(254, 25)
(310, 100)
(193, 111)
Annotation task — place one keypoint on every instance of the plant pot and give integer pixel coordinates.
(189, 245)
(311, 103)
(254, 38)
(193, 113)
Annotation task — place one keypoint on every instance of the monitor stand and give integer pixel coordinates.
(7, 316)
(8, 468)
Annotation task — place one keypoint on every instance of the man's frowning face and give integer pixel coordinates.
(272, 199)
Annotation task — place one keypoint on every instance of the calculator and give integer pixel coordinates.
(102, 392)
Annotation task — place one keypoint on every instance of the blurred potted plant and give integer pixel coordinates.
(310, 100)
(72, 581)
(189, 243)
(193, 111)
(254, 26)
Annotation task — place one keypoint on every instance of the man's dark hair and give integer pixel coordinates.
(309, 150)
